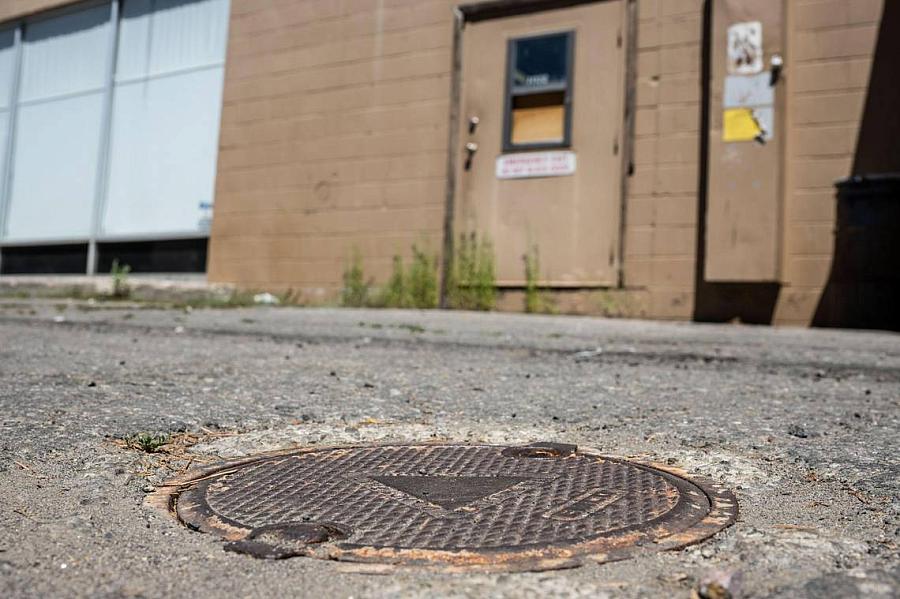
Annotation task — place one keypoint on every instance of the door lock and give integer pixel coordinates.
(777, 63)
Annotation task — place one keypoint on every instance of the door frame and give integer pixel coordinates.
(496, 9)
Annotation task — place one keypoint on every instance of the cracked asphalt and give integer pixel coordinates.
(804, 426)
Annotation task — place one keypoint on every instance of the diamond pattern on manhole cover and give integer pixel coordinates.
(496, 508)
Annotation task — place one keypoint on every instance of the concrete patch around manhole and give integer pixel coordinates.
(448, 506)
(368, 431)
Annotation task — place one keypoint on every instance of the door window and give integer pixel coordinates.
(538, 92)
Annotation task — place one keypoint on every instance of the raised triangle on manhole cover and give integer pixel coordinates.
(449, 506)
(450, 492)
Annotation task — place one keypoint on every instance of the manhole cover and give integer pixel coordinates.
(500, 508)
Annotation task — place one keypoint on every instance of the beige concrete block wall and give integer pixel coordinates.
(661, 206)
(830, 48)
(334, 137)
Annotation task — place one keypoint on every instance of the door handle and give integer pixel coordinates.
(471, 148)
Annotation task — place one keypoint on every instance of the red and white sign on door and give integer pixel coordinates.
(535, 164)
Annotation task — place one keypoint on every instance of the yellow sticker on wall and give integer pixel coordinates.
(739, 124)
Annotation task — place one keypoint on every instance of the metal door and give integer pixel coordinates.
(541, 119)
(745, 141)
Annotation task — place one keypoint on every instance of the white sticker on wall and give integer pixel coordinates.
(755, 90)
(204, 223)
(745, 48)
(535, 164)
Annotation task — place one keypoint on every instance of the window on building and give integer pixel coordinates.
(538, 92)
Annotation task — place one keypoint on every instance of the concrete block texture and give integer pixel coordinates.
(831, 46)
(334, 139)
(661, 204)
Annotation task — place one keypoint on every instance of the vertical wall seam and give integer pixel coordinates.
(452, 149)
(102, 174)
(703, 151)
(627, 129)
(781, 118)
(786, 123)
(12, 116)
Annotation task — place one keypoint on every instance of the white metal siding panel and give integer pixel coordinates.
(7, 74)
(163, 159)
(55, 168)
(7, 66)
(65, 54)
(188, 34)
(165, 124)
(59, 125)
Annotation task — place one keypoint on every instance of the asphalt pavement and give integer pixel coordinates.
(803, 425)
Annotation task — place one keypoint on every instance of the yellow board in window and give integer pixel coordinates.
(739, 124)
(541, 124)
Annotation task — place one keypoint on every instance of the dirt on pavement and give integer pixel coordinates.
(803, 425)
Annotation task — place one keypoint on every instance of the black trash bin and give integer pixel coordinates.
(863, 289)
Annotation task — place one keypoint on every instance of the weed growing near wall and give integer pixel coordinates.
(532, 268)
(120, 287)
(422, 280)
(415, 287)
(537, 300)
(355, 292)
(473, 284)
(395, 294)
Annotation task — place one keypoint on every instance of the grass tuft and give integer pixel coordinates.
(147, 442)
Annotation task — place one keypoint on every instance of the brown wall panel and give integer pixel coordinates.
(334, 135)
(661, 203)
(829, 55)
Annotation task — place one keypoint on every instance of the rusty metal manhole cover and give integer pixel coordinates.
(497, 508)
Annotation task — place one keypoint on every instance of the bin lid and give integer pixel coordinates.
(867, 180)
